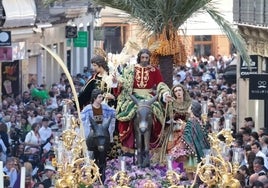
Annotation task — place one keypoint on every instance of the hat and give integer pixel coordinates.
(45, 119)
(248, 119)
(50, 167)
(196, 108)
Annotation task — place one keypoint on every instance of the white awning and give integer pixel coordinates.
(19, 13)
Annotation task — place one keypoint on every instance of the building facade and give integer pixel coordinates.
(201, 35)
(251, 17)
(30, 23)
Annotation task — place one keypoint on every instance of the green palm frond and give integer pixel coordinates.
(230, 32)
(155, 16)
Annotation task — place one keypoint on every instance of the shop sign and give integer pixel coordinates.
(258, 86)
(5, 38)
(70, 32)
(246, 70)
(81, 40)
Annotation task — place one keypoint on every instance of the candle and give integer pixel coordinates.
(68, 122)
(59, 152)
(123, 164)
(22, 177)
(207, 159)
(1, 175)
(204, 107)
(227, 124)
(64, 109)
(56, 140)
(169, 162)
(235, 156)
(63, 123)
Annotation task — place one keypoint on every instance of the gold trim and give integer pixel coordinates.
(142, 91)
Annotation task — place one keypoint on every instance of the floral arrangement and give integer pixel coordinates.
(140, 176)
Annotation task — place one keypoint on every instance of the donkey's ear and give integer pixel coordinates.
(135, 100)
(152, 100)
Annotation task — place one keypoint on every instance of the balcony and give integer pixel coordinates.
(70, 9)
(61, 11)
(251, 12)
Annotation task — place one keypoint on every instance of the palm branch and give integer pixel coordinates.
(166, 16)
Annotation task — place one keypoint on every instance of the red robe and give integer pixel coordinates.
(144, 78)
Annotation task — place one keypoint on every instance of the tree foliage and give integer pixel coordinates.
(165, 17)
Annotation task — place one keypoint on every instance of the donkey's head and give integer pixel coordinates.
(100, 137)
(144, 112)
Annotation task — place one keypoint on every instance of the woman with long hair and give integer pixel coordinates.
(32, 140)
(186, 138)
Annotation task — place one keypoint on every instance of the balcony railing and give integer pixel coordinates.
(251, 12)
(62, 10)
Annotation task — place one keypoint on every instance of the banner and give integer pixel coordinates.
(10, 79)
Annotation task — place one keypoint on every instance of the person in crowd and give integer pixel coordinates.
(32, 116)
(32, 140)
(257, 184)
(5, 144)
(25, 127)
(264, 180)
(101, 80)
(264, 144)
(46, 135)
(141, 80)
(246, 135)
(41, 95)
(249, 122)
(39, 185)
(243, 170)
(45, 132)
(249, 158)
(10, 171)
(259, 169)
(26, 98)
(52, 102)
(254, 137)
(176, 79)
(62, 84)
(29, 182)
(256, 148)
(263, 131)
(49, 172)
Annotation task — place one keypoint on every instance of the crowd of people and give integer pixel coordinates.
(30, 121)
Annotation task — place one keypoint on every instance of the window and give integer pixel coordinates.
(202, 38)
(202, 45)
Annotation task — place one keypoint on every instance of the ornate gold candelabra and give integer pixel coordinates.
(215, 168)
(121, 178)
(73, 164)
(172, 176)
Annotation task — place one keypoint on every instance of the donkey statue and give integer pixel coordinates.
(98, 141)
(143, 121)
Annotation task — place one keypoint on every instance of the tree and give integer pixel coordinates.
(163, 18)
